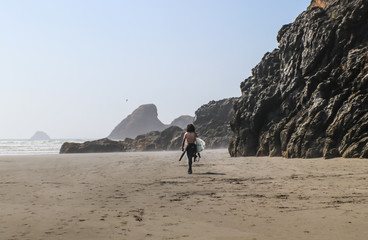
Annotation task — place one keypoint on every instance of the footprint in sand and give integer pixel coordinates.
(137, 214)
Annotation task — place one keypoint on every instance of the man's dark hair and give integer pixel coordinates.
(190, 128)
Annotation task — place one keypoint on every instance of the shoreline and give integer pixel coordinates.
(149, 195)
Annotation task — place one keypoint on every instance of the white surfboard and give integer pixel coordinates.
(200, 144)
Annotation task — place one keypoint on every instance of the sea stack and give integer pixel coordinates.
(182, 121)
(40, 136)
(143, 120)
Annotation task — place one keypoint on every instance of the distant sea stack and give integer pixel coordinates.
(39, 135)
(309, 97)
(182, 121)
(142, 120)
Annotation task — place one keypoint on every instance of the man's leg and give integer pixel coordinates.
(190, 165)
(190, 156)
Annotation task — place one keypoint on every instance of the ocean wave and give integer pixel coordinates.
(31, 147)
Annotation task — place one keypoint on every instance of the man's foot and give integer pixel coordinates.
(195, 157)
(190, 171)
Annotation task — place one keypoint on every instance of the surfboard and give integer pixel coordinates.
(200, 144)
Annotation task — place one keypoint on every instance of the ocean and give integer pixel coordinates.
(31, 147)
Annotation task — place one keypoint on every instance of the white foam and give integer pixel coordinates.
(29, 147)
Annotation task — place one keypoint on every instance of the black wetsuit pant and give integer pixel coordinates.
(191, 152)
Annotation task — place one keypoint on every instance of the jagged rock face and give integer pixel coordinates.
(309, 97)
(212, 122)
(182, 121)
(39, 135)
(169, 139)
(142, 120)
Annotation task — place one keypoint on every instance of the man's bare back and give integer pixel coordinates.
(190, 137)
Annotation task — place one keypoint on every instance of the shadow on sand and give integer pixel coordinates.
(210, 173)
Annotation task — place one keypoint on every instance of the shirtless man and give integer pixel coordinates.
(190, 138)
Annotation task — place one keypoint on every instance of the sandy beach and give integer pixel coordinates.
(150, 196)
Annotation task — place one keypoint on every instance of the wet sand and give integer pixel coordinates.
(150, 196)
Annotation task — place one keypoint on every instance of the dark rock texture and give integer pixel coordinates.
(212, 122)
(101, 145)
(169, 139)
(142, 120)
(309, 97)
(182, 121)
(39, 135)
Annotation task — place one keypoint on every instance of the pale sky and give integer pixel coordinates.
(67, 67)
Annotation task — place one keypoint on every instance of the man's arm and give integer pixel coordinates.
(182, 144)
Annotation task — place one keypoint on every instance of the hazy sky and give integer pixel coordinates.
(68, 67)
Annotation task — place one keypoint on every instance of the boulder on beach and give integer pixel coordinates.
(101, 145)
(169, 139)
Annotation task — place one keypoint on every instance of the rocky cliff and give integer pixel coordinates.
(308, 98)
(212, 122)
(143, 120)
(169, 139)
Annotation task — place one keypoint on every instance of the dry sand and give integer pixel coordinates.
(150, 196)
